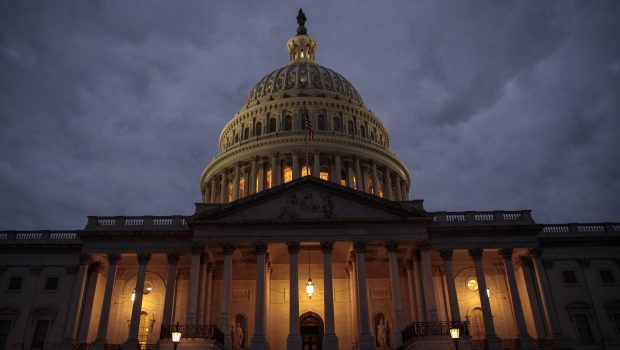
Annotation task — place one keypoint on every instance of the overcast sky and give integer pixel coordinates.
(115, 107)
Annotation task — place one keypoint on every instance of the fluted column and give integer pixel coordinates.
(173, 260)
(330, 340)
(75, 303)
(246, 182)
(236, 182)
(337, 175)
(533, 296)
(202, 284)
(365, 339)
(392, 248)
(526, 341)
(375, 179)
(296, 172)
(132, 340)
(446, 256)
(228, 249)
(427, 276)
(293, 341)
(411, 291)
(274, 170)
(224, 192)
(261, 176)
(194, 280)
(350, 176)
(316, 165)
(387, 186)
(359, 183)
(492, 339)
(104, 317)
(213, 194)
(207, 194)
(210, 271)
(419, 285)
(547, 299)
(89, 301)
(405, 194)
(397, 194)
(259, 341)
(252, 180)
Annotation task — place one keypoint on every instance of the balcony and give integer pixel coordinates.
(131, 223)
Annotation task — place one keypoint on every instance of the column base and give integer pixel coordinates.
(330, 342)
(560, 342)
(259, 342)
(494, 343)
(131, 344)
(66, 344)
(527, 343)
(293, 342)
(99, 344)
(366, 342)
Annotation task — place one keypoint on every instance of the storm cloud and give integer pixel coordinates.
(115, 108)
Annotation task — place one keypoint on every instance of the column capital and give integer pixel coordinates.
(210, 266)
(476, 253)
(524, 261)
(360, 247)
(415, 255)
(173, 258)
(113, 258)
(327, 246)
(260, 248)
(143, 258)
(446, 254)
(536, 253)
(391, 246)
(95, 266)
(85, 259)
(293, 248)
(196, 248)
(424, 245)
(228, 248)
(506, 253)
(204, 258)
(72, 269)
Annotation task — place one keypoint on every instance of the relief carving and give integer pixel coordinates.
(380, 293)
(308, 205)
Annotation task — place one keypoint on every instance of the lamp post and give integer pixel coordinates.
(176, 336)
(454, 334)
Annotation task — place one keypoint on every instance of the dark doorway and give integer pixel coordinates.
(311, 326)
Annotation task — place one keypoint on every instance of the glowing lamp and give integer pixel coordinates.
(454, 334)
(310, 288)
(176, 335)
(133, 295)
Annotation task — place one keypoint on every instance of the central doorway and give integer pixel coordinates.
(311, 326)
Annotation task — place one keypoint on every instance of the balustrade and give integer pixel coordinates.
(193, 331)
(439, 328)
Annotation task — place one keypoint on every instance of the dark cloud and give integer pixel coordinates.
(114, 108)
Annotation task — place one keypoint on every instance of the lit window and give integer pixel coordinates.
(343, 182)
(324, 175)
(380, 188)
(305, 171)
(241, 187)
(354, 182)
(288, 174)
(371, 186)
(256, 185)
(229, 192)
(472, 284)
(268, 179)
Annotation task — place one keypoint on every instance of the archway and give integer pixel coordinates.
(311, 326)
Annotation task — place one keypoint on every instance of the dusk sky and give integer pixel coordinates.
(115, 107)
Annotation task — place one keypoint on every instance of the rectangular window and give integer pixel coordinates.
(15, 283)
(569, 277)
(40, 332)
(607, 276)
(5, 325)
(583, 329)
(51, 283)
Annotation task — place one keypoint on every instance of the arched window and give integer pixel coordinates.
(268, 179)
(236, 138)
(350, 128)
(272, 125)
(287, 174)
(288, 123)
(229, 191)
(343, 177)
(246, 133)
(259, 129)
(256, 185)
(321, 122)
(305, 171)
(371, 187)
(241, 187)
(380, 188)
(363, 131)
(337, 126)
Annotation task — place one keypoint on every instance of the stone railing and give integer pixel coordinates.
(44, 235)
(608, 228)
(193, 331)
(482, 217)
(135, 222)
(440, 328)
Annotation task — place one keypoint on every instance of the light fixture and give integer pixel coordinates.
(454, 334)
(176, 335)
(488, 292)
(133, 295)
(309, 284)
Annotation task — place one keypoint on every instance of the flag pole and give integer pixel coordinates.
(306, 138)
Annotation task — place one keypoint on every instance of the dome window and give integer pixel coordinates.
(259, 129)
(363, 132)
(337, 126)
(288, 123)
(321, 122)
(272, 125)
(288, 174)
(229, 192)
(246, 133)
(305, 171)
(371, 186)
(268, 176)
(241, 187)
(350, 128)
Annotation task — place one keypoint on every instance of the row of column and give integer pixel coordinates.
(253, 174)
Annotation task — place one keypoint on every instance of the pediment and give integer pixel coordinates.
(308, 198)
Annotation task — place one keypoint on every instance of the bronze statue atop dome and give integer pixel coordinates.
(301, 21)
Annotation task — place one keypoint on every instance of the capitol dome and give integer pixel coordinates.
(269, 142)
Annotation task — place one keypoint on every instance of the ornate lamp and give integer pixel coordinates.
(133, 295)
(309, 284)
(176, 336)
(454, 334)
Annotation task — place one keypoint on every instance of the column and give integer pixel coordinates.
(392, 248)
(419, 285)
(87, 308)
(532, 295)
(258, 339)
(397, 193)
(455, 313)
(527, 342)
(354, 326)
(493, 341)
(375, 178)
(235, 186)
(252, 180)
(365, 339)
(359, 185)
(274, 170)
(207, 195)
(337, 175)
(223, 193)
(330, 340)
(16, 337)
(202, 285)
(316, 166)
(547, 300)
(75, 303)
(212, 198)
(173, 260)
(132, 340)
(405, 194)
(207, 314)
(412, 294)
(102, 332)
(228, 249)
(194, 280)
(296, 171)
(268, 271)
(293, 341)
(350, 176)
(246, 182)
(261, 176)
(387, 186)
(427, 276)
